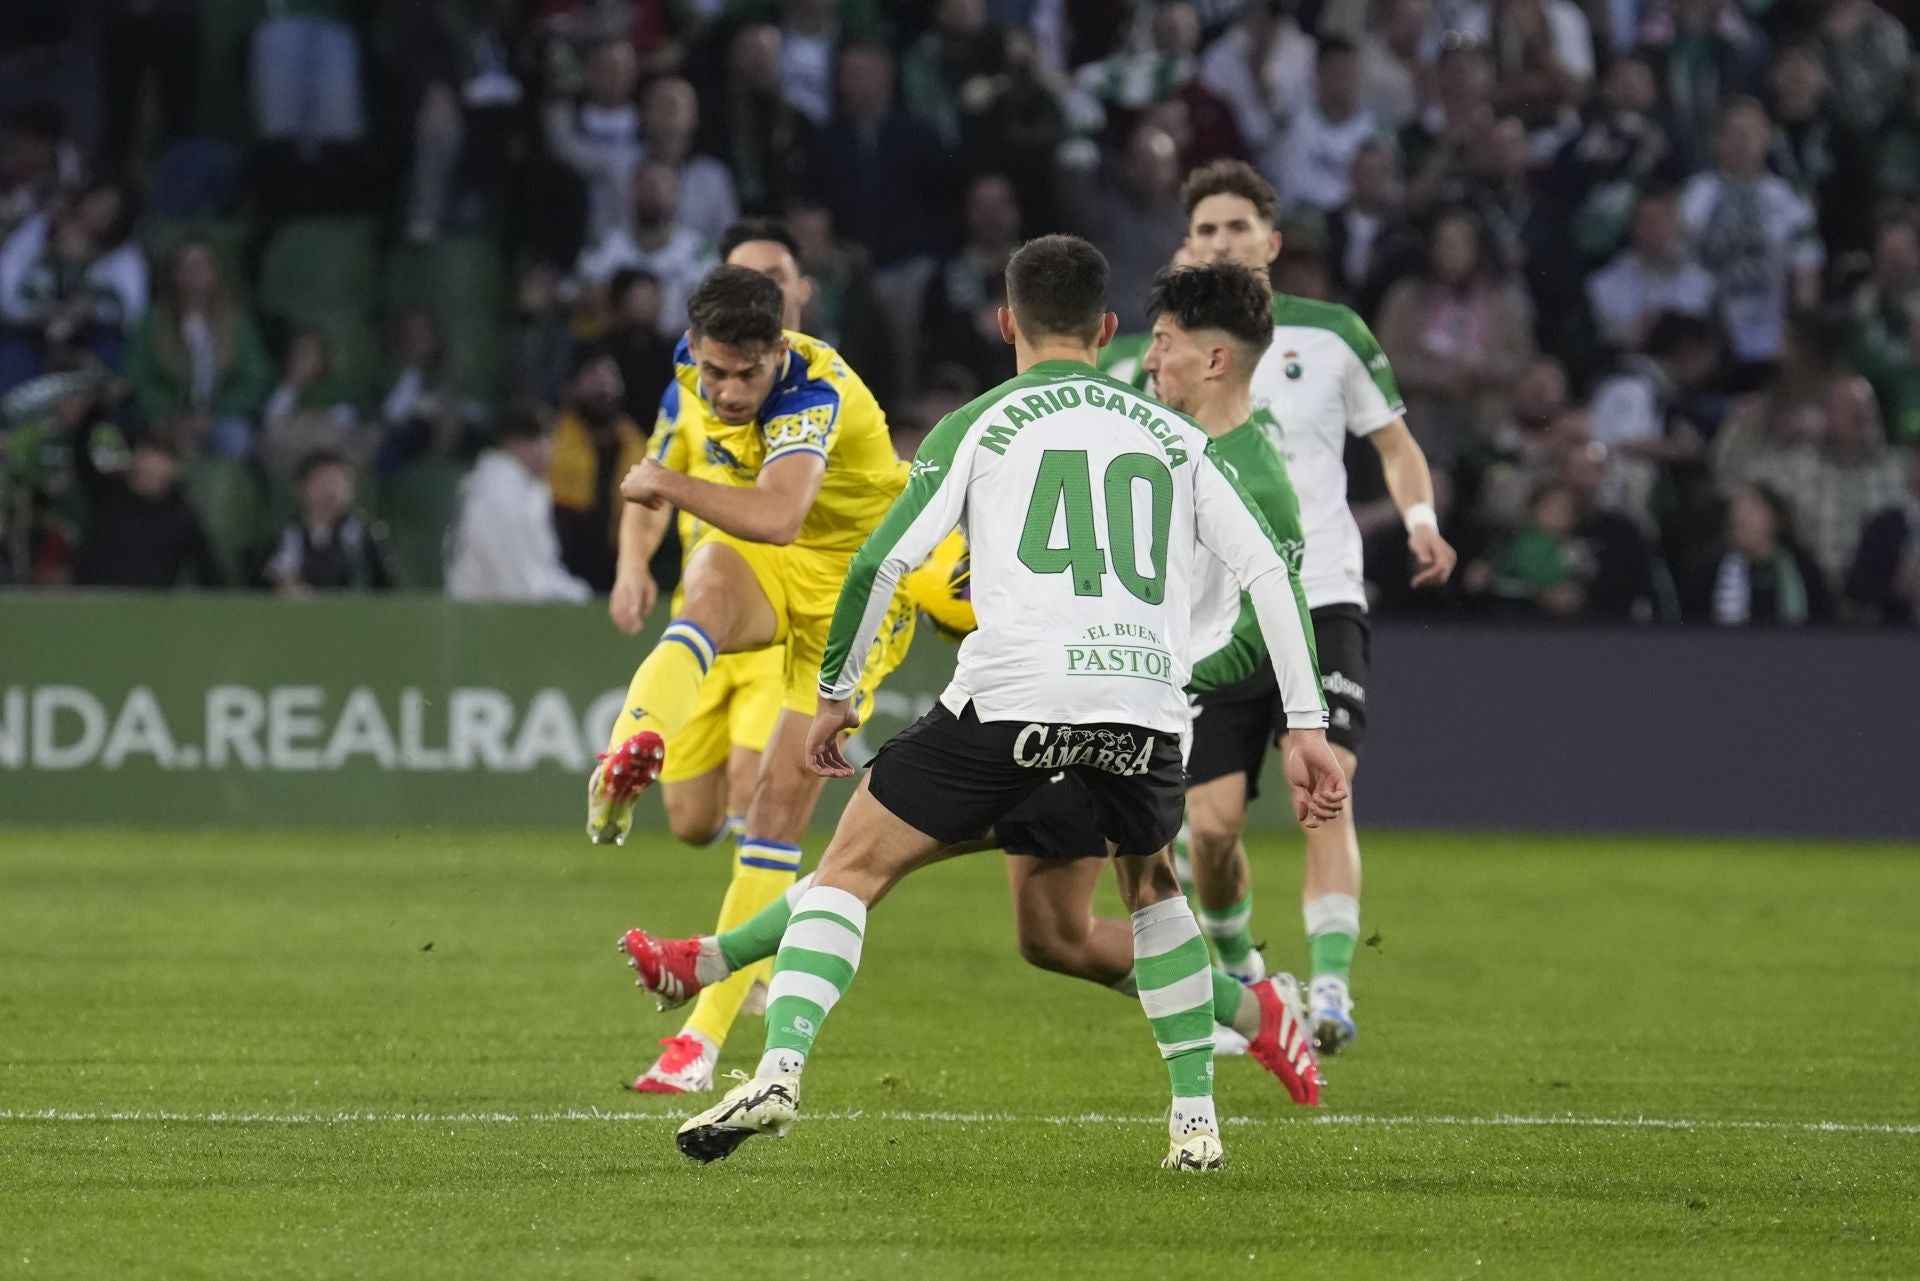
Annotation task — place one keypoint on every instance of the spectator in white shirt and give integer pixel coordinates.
(1392, 63)
(1755, 234)
(659, 244)
(809, 44)
(1653, 275)
(669, 115)
(1262, 68)
(1316, 160)
(503, 546)
(599, 136)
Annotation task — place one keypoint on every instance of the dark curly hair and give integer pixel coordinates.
(1222, 295)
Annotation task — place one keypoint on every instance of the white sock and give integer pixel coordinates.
(780, 1063)
(1189, 1116)
(1332, 914)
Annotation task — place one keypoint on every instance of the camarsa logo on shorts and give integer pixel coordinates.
(1055, 747)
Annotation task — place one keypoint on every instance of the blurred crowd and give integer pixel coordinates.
(292, 292)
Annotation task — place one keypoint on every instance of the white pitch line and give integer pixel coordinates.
(965, 1118)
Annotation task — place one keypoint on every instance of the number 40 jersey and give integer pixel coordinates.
(1085, 504)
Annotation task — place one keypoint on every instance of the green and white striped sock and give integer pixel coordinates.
(1231, 930)
(758, 937)
(818, 956)
(1176, 990)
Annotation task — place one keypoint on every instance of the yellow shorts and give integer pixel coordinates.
(803, 585)
(739, 702)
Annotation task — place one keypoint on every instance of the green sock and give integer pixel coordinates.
(1332, 954)
(758, 937)
(1176, 991)
(1333, 927)
(1234, 1004)
(1230, 929)
(817, 961)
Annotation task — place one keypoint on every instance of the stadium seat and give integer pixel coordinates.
(419, 502)
(226, 493)
(460, 280)
(315, 267)
(228, 236)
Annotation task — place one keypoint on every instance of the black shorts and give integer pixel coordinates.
(955, 777)
(1057, 822)
(1342, 637)
(1232, 727)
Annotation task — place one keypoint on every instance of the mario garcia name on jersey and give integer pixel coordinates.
(1323, 379)
(818, 406)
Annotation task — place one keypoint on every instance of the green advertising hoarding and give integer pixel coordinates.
(190, 709)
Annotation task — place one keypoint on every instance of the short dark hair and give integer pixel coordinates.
(738, 307)
(744, 231)
(1220, 295)
(1231, 178)
(313, 460)
(1057, 285)
(522, 420)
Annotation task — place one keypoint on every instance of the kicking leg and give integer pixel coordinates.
(1330, 902)
(725, 611)
(1217, 815)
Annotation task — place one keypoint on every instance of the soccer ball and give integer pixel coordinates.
(942, 587)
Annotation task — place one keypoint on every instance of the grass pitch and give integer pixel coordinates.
(393, 1055)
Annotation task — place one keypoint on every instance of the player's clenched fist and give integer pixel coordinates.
(645, 483)
(1318, 785)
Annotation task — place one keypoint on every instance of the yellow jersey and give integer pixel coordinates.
(818, 405)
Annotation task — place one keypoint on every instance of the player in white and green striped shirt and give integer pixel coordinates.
(1084, 592)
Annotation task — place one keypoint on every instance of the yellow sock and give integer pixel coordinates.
(762, 872)
(667, 686)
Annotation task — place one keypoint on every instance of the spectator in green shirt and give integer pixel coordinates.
(198, 368)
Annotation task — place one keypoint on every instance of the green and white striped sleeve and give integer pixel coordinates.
(924, 514)
(1229, 525)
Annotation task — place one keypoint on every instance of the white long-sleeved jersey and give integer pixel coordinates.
(1085, 504)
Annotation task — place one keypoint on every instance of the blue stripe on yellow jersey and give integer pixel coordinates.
(818, 406)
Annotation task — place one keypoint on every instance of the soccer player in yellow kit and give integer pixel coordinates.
(713, 762)
(795, 468)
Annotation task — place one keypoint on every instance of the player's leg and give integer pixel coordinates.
(1055, 925)
(694, 779)
(819, 955)
(1227, 749)
(1139, 814)
(1330, 905)
(1173, 974)
(693, 791)
(761, 873)
(727, 608)
(1222, 880)
(1330, 894)
(939, 783)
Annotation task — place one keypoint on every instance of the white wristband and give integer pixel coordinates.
(1420, 516)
